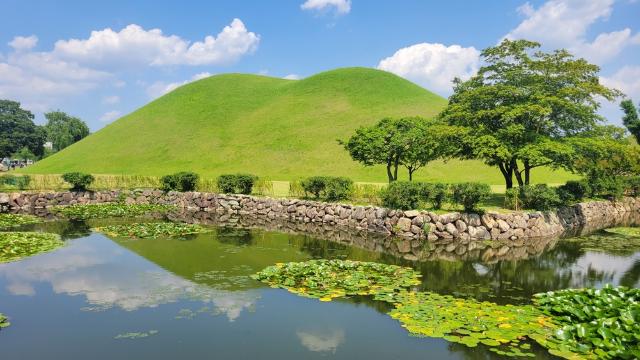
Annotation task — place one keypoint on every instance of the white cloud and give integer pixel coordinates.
(627, 80)
(564, 24)
(110, 116)
(433, 65)
(112, 99)
(292, 77)
(21, 43)
(341, 7)
(160, 88)
(135, 45)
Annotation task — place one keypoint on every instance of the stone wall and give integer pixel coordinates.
(414, 232)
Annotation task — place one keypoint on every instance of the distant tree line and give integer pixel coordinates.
(21, 138)
(524, 109)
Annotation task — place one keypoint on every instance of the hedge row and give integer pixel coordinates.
(405, 195)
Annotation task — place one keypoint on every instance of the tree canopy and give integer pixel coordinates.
(18, 131)
(63, 130)
(411, 142)
(521, 106)
(630, 118)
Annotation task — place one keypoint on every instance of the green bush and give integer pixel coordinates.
(609, 187)
(438, 195)
(403, 195)
(236, 183)
(538, 197)
(315, 185)
(79, 181)
(632, 185)
(339, 188)
(182, 181)
(469, 195)
(573, 191)
(21, 182)
(295, 189)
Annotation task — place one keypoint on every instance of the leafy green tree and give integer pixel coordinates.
(522, 104)
(64, 130)
(411, 142)
(630, 118)
(17, 130)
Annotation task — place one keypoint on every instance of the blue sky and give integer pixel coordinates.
(101, 60)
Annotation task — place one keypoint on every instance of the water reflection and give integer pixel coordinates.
(321, 340)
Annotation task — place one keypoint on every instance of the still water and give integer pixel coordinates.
(192, 298)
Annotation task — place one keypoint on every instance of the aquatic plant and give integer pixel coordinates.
(616, 241)
(18, 245)
(329, 279)
(4, 322)
(152, 230)
(573, 324)
(15, 220)
(91, 211)
(595, 323)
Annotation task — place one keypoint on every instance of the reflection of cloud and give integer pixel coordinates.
(320, 341)
(98, 270)
(601, 268)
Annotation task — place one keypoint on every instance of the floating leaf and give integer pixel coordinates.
(14, 220)
(91, 211)
(18, 245)
(152, 230)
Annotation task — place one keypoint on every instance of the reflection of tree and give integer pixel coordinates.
(482, 353)
(68, 229)
(631, 277)
(235, 236)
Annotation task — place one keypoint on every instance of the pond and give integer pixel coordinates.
(103, 297)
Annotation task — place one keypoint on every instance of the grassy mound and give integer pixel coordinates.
(272, 127)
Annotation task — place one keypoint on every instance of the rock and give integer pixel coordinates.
(461, 226)
(488, 221)
(404, 224)
(451, 229)
(502, 225)
(411, 213)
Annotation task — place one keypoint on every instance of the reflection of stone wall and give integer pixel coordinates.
(417, 234)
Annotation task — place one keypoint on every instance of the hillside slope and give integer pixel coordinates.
(281, 129)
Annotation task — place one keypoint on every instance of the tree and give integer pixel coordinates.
(411, 142)
(426, 141)
(64, 130)
(17, 130)
(630, 118)
(522, 104)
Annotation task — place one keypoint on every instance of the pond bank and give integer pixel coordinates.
(415, 234)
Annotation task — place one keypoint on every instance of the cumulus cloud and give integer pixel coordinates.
(341, 7)
(626, 79)
(433, 65)
(20, 43)
(564, 24)
(160, 88)
(135, 45)
(292, 77)
(110, 116)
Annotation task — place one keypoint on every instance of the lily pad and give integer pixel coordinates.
(4, 322)
(152, 230)
(14, 220)
(92, 211)
(18, 245)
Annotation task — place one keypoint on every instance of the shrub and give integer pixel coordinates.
(512, 199)
(236, 183)
(632, 185)
(573, 191)
(539, 197)
(182, 181)
(263, 186)
(610, 187)
(469, 195)
(338, 188)
(79, 181)
(366, 193)
(315, 185)
(438, 195)
(402, 195)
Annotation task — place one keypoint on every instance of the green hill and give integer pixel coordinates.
(281, 129)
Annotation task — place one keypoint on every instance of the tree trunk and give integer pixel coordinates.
(527, 172)
(395, 168)
(516, 171)
(507, 172)
(411, 170)
(389, 174)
